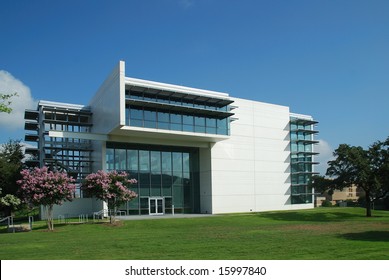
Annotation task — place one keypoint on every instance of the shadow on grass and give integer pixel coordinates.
(381, 236)
(61, 225)
(310, 216)
(41, 227)
(3, 230)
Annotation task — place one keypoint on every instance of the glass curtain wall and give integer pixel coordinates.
(184, 114)
(164, 173)
(72, 155)
(301, 136)
(164, 119)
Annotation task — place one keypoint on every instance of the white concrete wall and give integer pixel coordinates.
(251, 170)
(86, 206)
(108, 104)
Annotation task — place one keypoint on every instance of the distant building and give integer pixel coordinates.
(352, 193)
(191, 150)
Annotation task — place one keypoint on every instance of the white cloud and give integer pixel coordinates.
(326, 154)
(24, 100)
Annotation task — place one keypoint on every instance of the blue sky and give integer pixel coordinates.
(328, 59)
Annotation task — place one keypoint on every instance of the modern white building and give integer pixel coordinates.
(191, 150)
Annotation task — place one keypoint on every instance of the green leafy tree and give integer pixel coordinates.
(324, 186)
(11, 156)
(321, 184)
(5, 102)
(365, 168)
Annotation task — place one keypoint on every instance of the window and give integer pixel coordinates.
(177, 162)
(176, 122)
(150, 119)
(188, 123)
(109, 159)
(200, 124)
(222, 127)
(120, 159)
(150, 115)
(199, 121)
(174, 118)
(163, 117)
(168, 172)
(136, 114)
(156, 162)
(163, 120)
(144, 161)
(167, 163)
(132, 160)
(186, 162)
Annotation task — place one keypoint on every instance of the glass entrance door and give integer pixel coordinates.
(156, 206)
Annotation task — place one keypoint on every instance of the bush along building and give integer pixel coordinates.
(190, 150)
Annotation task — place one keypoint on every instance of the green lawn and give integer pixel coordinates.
(321, 233)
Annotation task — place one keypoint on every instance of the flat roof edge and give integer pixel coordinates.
(63, 105)
(176, 88)
(300, 116)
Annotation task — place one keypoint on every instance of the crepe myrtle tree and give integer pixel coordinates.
(111, 187)
(40, 186)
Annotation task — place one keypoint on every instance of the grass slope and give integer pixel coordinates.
(321, 233)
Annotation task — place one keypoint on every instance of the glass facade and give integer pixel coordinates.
(179, 113)
(168, 177)
(301, 139)
(73, 155)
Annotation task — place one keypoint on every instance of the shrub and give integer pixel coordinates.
(326, 203)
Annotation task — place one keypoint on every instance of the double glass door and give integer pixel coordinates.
(156, 206)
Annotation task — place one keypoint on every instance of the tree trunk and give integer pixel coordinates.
(368, 205)
(50, 223)
(112, 211)
(113, 215)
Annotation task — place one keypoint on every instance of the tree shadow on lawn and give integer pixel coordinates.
(309, 216)
(43, 227)
(381, 236)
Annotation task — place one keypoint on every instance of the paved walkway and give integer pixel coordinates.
(166, 216)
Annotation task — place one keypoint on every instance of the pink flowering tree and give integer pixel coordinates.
(111, 187)
(40, 186)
